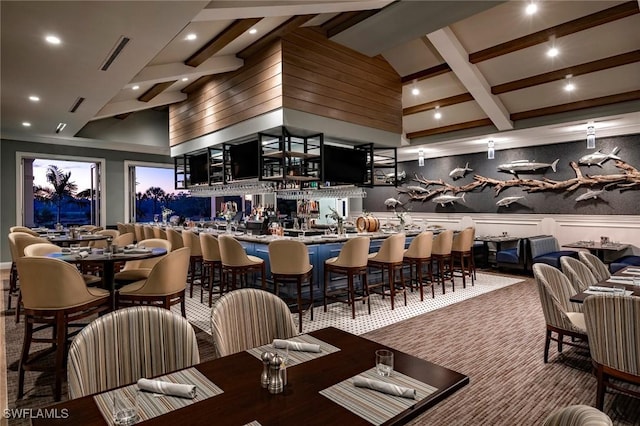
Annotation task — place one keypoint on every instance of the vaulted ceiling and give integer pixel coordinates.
(482, 65)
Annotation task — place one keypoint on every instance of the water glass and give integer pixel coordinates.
(125, 410)
(384, 362)
(75, 248)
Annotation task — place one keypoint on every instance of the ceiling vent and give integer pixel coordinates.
(115, 52)
(76, 105)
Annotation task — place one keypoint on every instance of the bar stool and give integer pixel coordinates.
(211, 262)
(236, 261)
(461, 252)
(175, 239)
(191, 240)
(289, 261)
(351, 261)
(419, 254)
(54, 296)
(441, 255)
(389, 259)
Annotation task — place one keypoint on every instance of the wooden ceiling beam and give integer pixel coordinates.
(122, 116)
(155, 90)
(452, 128)
(586, 68)
(233, 31)
(427, 73)
(457, 99)
(283, 29)
(599, 18)
(196, 84)
(574, 106)
(346, 20)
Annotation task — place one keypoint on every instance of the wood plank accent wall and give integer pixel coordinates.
(324, 78)
(230, 98)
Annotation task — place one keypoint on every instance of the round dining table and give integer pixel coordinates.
(108, 262)
(65, 241)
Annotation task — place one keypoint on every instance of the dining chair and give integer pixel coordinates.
(54, 295)
(192, 240)
(147, 232)
(418, 255)
(159, 233)
(351, 261)
(441, 255)
(462, 255)
(122, 229)
(289, 260)
(109, 233)
(555, 289)
(165, 286)
(136, 270)
(595, 265)
(45, 249)
(124, 240)
(614, 342)
(138, 230)
(211, 263)
(247, 318)
(389, 260)
(577, 415)
(24, 229)
(236, 262)
(175, 239)
(123, 346)
(578, 273)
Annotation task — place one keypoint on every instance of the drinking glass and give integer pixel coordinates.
(384, 362)
(125, 410)
(332, 228)
(284, 354)
(75, 248)
(156, 218)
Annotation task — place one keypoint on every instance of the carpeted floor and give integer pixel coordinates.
(495, 338)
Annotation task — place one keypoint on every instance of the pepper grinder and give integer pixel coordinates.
(275, 379)
(264, 378)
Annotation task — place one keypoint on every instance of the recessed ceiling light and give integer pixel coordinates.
(26, 124)
(437, 114)
(136, 87)
(552, 52)
(415, 91)
(51, 39)
(569, 87)
(34, 98)
(191, 37)
(253, 31)
(185, 79)
(531, 8)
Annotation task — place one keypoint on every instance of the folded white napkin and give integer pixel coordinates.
(631, 272)
(384, 387)
(168, 388)
(602, 289)
(137, 251)
(296, 346)
(83, 254)
(621, 280)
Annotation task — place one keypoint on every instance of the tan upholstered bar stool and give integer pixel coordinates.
(54, 296)
(441, 255)
(191, 240)
(352, 262)
(462, 255)
(235, 261)
(211, 262)
(175, 239)
(388, 259)
(289, 261)
(136, 270)
(418, 255)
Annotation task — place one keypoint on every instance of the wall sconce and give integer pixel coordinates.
(491, 152)
(420, 158)
(591, 135)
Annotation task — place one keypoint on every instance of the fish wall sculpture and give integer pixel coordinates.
(507, 201)
(460, 172)
(392, 202)
(448, 199)
(518, 166)
(599, 157)
(590, 194)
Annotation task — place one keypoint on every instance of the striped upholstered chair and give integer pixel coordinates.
(577, 415)
(555, 290)
(614, 342)
(128, 344)
(578, 273)
(246, 318)
(595, 265)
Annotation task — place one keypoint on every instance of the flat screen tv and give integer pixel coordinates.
(245, 161)
(199, 169)
(344, 165)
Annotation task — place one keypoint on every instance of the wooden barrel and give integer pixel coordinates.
(367, 224)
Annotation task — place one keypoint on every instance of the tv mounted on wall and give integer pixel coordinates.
(344, 165)
(245, 160)
(199, 169)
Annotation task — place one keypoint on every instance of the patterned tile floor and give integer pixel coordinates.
(339, 314)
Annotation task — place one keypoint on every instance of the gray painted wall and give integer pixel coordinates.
(114, 179)
(148, 127)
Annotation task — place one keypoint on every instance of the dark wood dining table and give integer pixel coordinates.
(597, 248)
(65, 241)
(243, 399)
(108, 263)
(635, 290)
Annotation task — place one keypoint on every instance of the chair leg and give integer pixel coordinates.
(420, 283)
(61, 349)
(392, 288)
(601, 387)
(351, 295)
(299, 300)
(183, 307)
(311, 294)
(547, 343)
(324, 297)
(365, 291)
(263, 272)
(192, 270)
(560, 340)
(26, 345)
(18, 304)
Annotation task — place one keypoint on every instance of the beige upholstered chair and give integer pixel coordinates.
(54, 295)
(614, 342)
(351, 261)
(159, 233)
(90, 228)
(289, 262)
(211, 262)
(165, 286)
(595, 265)
(441, 255)
(45, 249)
(139, 232)
(129, 344)
(246, 318)
(122, 229)
(136, 270)
(418, 255)
(389, 260)
(555, 290)
(110, 233)
(24, 229)
(578, 273)
(235, 261)
(577, 415)
(124, 240)
(147, 232)
(191, 240)
(175, 238)
(462, 255)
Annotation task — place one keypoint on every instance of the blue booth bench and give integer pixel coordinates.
(623, 262)
(545, 249)
(514, 257)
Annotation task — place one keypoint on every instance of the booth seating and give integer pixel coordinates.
(514, 257)
(623, 262)
(545, 249)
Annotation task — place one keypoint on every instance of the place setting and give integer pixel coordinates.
(297, 350)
